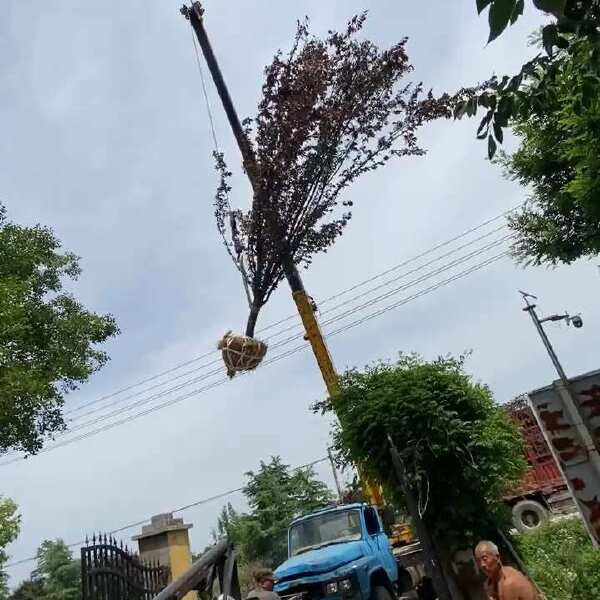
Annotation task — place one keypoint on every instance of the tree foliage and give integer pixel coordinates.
(460, 450)
(57, 575)
(562, 560)
(47, 339)
(10, 522)
(28, 590)
(552, 103)
(559, 161)
(275, 495)
(331, 111)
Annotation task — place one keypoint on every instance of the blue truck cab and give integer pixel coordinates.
(338, 553)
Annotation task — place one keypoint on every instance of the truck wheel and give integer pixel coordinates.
(381, 593)
(528, 515)
(406, 580)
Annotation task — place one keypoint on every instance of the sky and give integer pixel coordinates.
(106, 140)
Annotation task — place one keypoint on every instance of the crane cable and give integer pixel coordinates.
(204, 91)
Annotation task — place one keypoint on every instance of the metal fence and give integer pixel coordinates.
(110, 571)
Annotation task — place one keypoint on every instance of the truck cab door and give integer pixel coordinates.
(380, 543)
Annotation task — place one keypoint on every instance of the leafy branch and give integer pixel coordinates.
(575, 32)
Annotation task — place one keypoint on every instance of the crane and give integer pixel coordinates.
(303, 302)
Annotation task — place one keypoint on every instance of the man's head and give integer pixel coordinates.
(487, 556)
(264, 579)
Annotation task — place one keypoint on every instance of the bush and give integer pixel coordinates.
(561, 559)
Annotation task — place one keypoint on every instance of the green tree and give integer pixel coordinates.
(460, 449)
(276, 495)
(48, 341)
(553, 106)
(559, 161)
(57, 573)
(10, 522)
(28, 590)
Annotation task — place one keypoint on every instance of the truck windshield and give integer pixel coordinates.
(322, 530)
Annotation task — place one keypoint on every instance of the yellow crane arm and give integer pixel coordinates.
(306, 310)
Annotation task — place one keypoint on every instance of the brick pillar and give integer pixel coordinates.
(166, 540)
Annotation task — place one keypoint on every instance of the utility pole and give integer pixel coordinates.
(564, 385)
(195, 14)
(530, 308)
(572, 409)
(338, 487)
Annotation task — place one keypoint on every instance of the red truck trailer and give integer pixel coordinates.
(543, 489)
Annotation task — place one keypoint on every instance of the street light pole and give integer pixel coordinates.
(572, 408)
(578, 417)
(530, 308)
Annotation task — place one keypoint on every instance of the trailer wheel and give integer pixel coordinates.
(381, 593)
(528, 515)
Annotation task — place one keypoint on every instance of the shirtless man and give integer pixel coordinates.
(503, 583)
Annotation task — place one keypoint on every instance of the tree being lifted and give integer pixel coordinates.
(331, 111)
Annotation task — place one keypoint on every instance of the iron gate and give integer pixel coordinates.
(110, 572)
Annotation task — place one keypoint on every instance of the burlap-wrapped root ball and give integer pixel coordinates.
(241, 353)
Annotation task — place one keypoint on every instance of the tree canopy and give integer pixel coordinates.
(461, 451)
(57, 575)
(48, 340)
(275, 494)
(331, 110)
(553, 106)
(559, 161)
(28, 590)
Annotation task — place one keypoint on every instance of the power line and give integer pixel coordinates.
(394, 291)
(175, 510)
(175, 388)
(432, 288)
(143, 381)
(336, 318)
(445, 267)
(281, 356)
(346, 327)
(418, 280)
(163, 393)
(286, 319)
(400, 265)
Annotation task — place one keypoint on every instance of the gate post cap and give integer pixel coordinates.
(161, 524)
